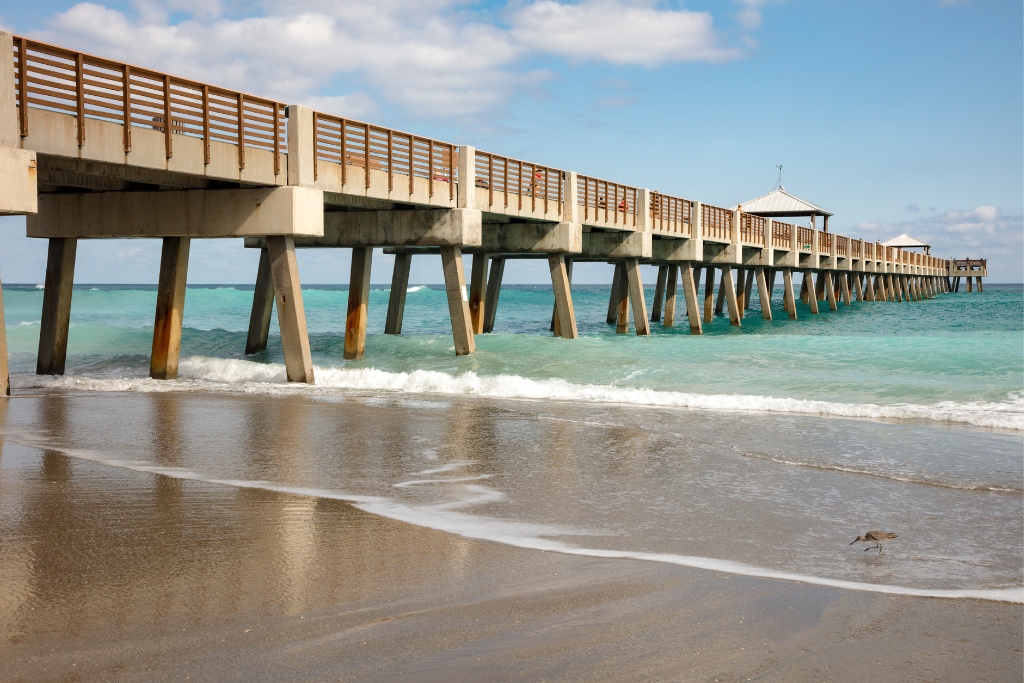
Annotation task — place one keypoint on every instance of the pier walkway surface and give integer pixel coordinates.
(93, 148)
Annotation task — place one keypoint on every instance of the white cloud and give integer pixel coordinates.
(619, 32)
(436, 58)
(749, 16)
(983, 232)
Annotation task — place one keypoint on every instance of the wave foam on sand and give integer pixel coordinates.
(199, 373)
(533, 536)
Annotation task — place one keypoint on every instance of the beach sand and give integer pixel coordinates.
(119, 575)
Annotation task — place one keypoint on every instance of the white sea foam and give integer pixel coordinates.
(217, 374)
(528, 535)
(417, 288)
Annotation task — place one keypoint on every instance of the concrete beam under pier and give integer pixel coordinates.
(398, 228)
(181, 213)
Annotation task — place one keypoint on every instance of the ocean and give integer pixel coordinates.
(759, 451)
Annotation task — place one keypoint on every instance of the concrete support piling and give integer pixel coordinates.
(170, 307)
(493, 292)
(788, 298)
(358, 303)
(812, 297)
(709, 293)
(291, 315)
(735, 315)
(741, 294)
(721, 292)
(844, 286)
(690, 293)
(262, 307)
(659, 294)
(458, 300)
(819, 286)
(56, 315)
(399, 290)
(830, 291)
(763, 294)
(636, 294)
(618, 277)
(858, 287)
(565, 315)
(671, 283)
(478, 292)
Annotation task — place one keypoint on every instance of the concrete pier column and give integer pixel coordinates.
(970, 284)
(709, 293)
(565, 314)
(748, 289)
(830, 291)
(56, 316)
(262, 307)
(812, 298)
(735, 314)
(720, 303)
(771, 273)
(981, 287)
(399, 289)
(458, 300)
(170, 307)
(636, 294)
(358, 303)
(788, 298)
(493, 292)
(804, 288)
(671, 283)
(844, 287)
(741, 290)
(819, 286)
(291, 315)
(690, 294)
(478, 292)
(894, 288)
(858, 287)
(763, 294)
(883, 295)
(622, 304)
(618, 278)
(659, 294)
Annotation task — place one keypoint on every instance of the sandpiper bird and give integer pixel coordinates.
(875, 537)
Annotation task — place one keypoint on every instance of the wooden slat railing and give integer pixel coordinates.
(503, 176)
(888, 253)
(825, 242)
(804, 238)
(716, 222)
(842, 245)
(368, 147)
(970, 264)
(782, 234)
(606, 201)
(752, 229)
(671, 215)
(856, 249)
(56, 79)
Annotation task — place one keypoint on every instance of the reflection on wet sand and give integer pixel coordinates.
(115, 573)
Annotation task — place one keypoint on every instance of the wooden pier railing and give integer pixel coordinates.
(368, 147)
(782, 234)
(804, 238)
(61, 80)
(671, 215)
(752, 229)
(716, 223)
(603, 200)
(502, 176)
(825, 242)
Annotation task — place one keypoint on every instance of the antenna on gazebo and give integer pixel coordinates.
(778, 183)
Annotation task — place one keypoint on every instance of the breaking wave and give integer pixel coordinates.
(198, 373)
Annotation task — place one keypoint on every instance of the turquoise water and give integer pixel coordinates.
(963, 349)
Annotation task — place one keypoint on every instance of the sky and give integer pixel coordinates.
(897, 116)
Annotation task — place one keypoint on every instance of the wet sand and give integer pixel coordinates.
(112, 574)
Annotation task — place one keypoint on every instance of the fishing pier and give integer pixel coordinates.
(92, 148)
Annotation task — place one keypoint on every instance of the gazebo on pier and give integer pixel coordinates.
(780, 204)
(905, 241)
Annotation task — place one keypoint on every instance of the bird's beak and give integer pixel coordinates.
(853, 541)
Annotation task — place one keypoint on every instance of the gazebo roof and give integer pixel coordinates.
(779, 204)
(905, 241)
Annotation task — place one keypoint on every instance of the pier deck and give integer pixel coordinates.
(92, 148)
